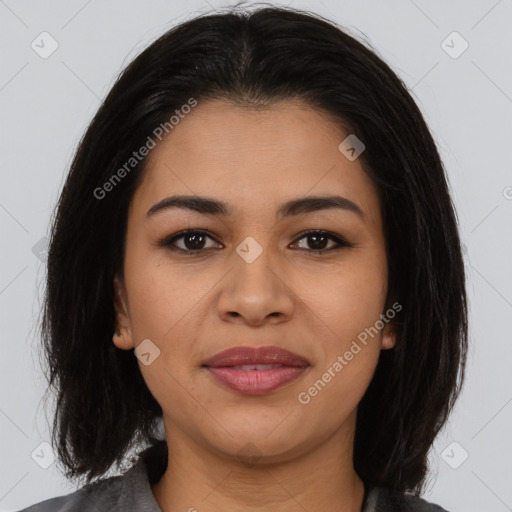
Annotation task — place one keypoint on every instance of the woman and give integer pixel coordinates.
(259, 213)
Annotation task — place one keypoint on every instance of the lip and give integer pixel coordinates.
(224, 367)
(255, 355)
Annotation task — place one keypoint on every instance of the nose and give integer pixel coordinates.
(256, 290)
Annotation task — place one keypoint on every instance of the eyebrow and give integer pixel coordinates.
(210, 206)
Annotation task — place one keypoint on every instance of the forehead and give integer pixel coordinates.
(254, 157)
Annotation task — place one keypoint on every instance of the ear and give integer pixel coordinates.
(123, 337)
(389, 333)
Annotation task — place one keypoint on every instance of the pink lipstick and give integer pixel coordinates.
(255, 371)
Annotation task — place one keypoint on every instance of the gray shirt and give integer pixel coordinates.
(131, 492)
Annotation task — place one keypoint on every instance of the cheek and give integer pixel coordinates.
(333, 392)
(346, 304)
(348, 344)
(349, 296)
(160, 294)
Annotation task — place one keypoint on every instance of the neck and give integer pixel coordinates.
(202, 479)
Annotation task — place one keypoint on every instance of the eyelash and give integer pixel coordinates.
(168, 241)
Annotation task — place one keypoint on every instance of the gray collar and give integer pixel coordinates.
(136, 492)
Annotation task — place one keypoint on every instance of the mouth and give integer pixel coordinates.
(255, 371)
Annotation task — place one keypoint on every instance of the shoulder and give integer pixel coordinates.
(93, 497)
(129, 491)
(387, 500)
(107, 494)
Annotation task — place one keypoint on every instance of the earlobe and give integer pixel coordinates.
(388, 337)
(123, 337)
(388, 341)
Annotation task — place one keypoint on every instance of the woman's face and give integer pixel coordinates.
(253, 279)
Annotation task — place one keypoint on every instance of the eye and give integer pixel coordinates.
(192, 239)
(318, 240)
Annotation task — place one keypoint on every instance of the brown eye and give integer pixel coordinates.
(318, 240)
(193, 241)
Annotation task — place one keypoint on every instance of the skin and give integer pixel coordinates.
(192, 307)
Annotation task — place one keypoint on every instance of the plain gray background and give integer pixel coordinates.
(465, 96)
